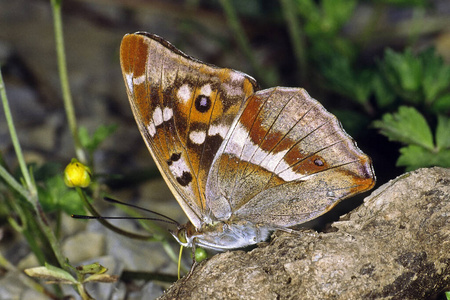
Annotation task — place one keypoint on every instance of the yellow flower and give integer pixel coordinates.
(77, 175)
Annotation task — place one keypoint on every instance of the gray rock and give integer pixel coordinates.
(395, 246)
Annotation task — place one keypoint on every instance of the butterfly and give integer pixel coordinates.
(241, 162)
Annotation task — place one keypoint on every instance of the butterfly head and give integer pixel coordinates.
(184, 234)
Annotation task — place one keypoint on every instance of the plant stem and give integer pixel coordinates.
(13, 182)
(48, 232)
(31, 193)
(62, 68)
(27, 226)
(17, 148)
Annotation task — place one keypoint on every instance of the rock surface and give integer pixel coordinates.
(394, 246)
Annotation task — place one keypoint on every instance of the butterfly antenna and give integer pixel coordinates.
(120, 218)
(168, 219)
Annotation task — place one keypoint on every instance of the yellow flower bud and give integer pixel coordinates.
(77, 175)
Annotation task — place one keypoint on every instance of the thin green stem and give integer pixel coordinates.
(83, 293)
(16, 144)
(13, 182)
(32, 240)
(48, 232)
(159, 233)
(31, 193)
(297, 38)
(242, 40)
(62, 67)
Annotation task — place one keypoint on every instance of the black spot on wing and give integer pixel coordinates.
(318, 162)
(185, 178)
(202, 103)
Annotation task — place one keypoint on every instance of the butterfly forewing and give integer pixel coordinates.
(184, 109)
(285, 161)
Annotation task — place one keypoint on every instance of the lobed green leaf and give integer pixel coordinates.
(406, 126)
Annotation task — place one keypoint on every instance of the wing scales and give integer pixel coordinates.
(293, 156)
(163, 86)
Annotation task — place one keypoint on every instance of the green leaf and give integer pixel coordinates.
(83, 134)
(326, 18)
(414, 157)
(383, 94)
(342, 78)
(337, 12)
(308, 10)
(101, 278)
(94, 268)
(442, 104)
(407, 126)
(55, 195)
(443, 132)
(421, 78)
(46, 170)
(91, 143)
(51, 273)
(403, 70)
(436, 75)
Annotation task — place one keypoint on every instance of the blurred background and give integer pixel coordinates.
(381, 66)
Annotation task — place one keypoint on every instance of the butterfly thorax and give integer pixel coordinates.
(222, 235)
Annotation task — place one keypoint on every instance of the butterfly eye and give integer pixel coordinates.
(181, 235)
(202, 103)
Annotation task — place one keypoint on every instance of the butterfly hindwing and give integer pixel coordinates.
(184, 109)
(285, 161)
